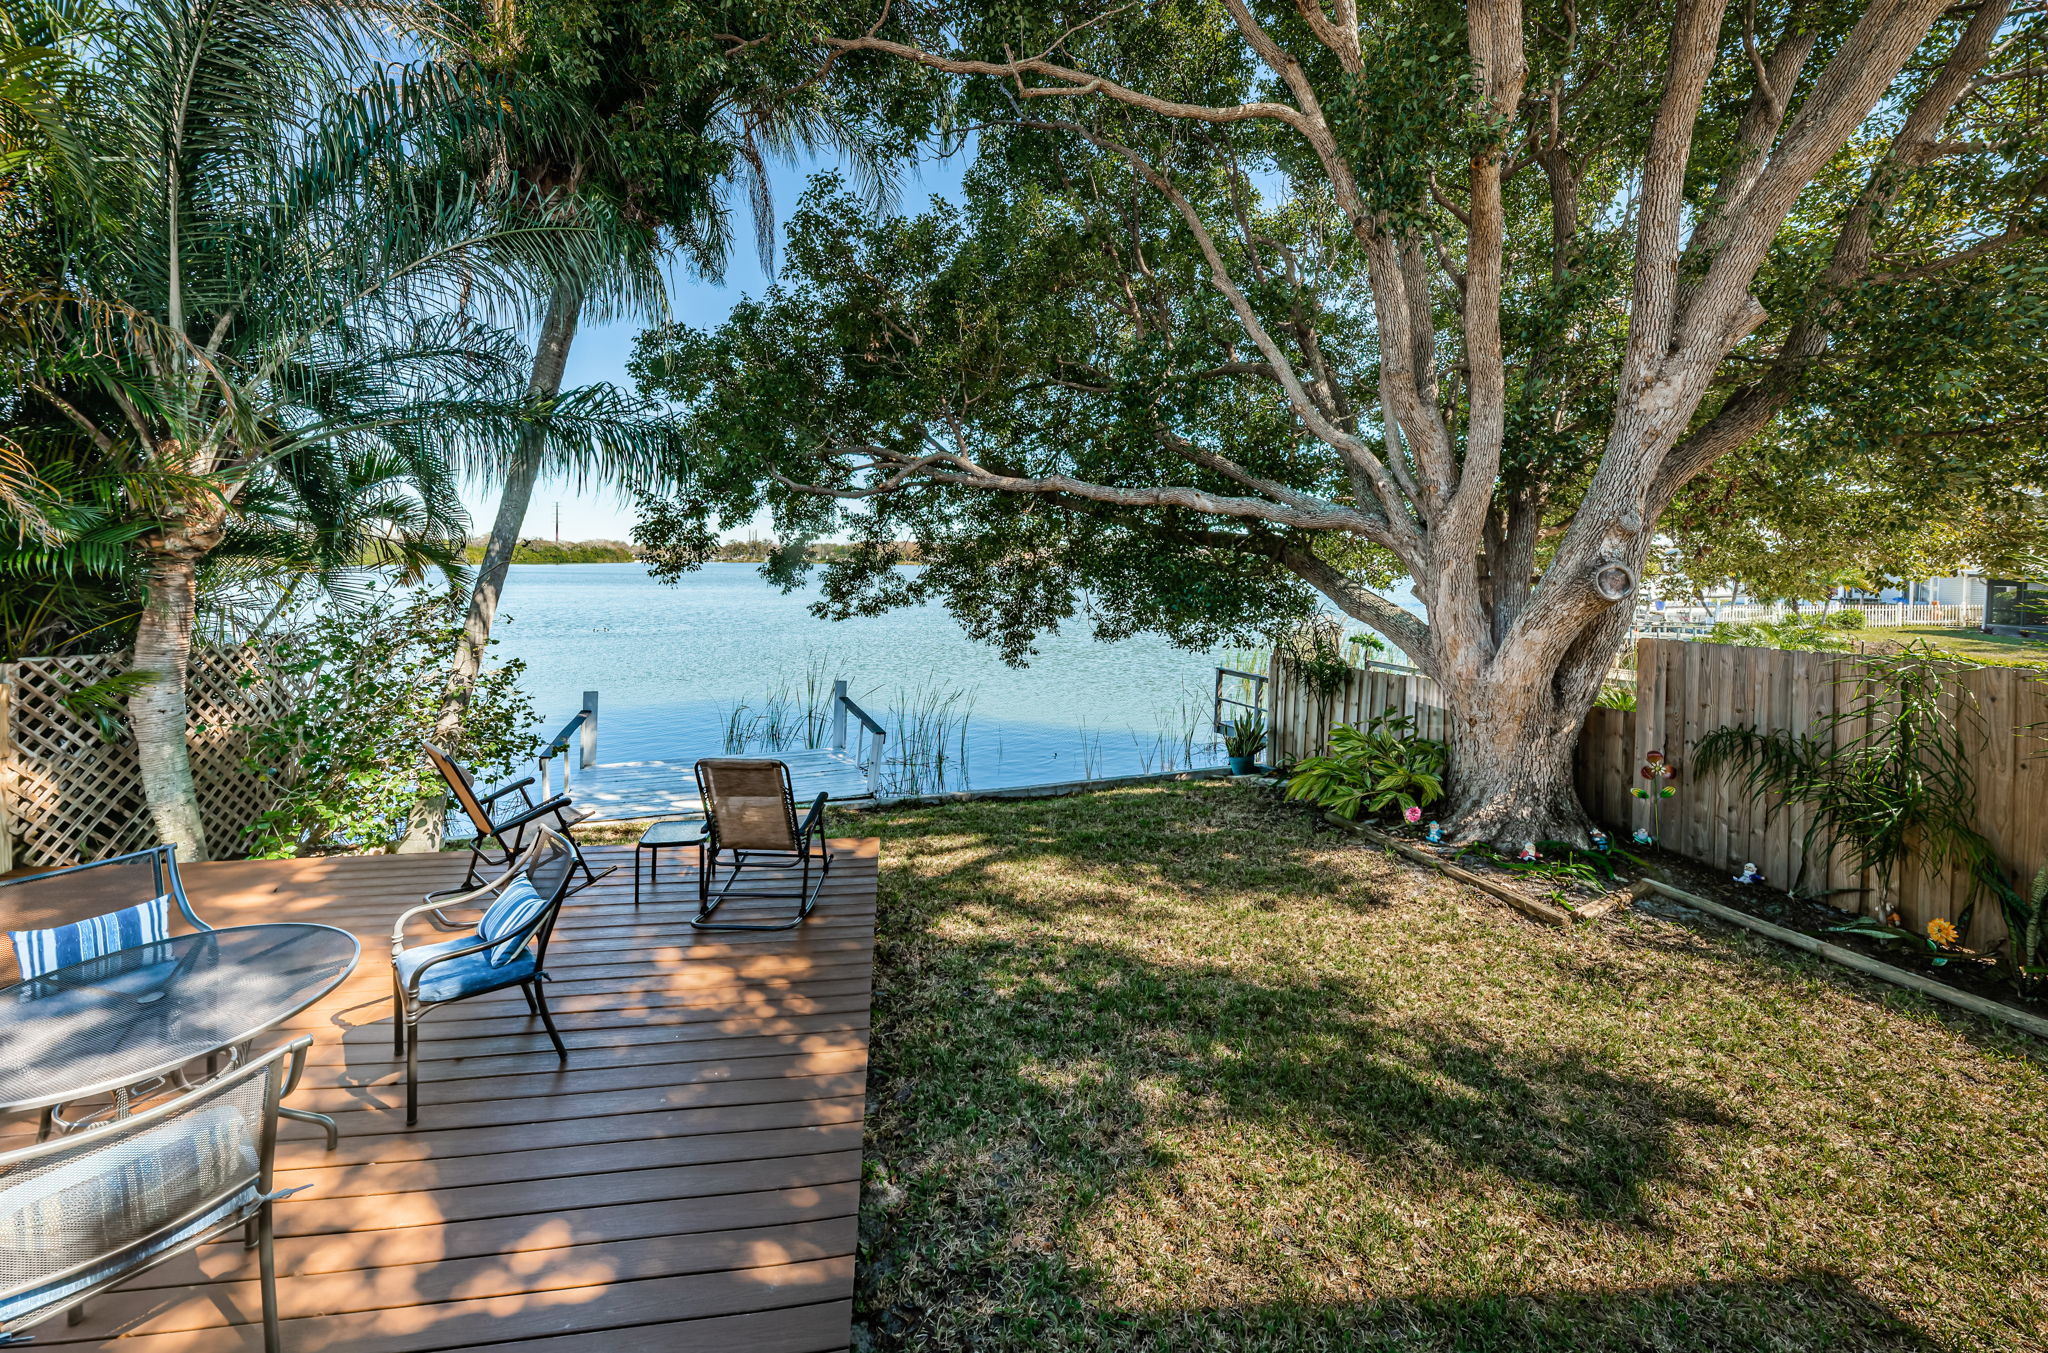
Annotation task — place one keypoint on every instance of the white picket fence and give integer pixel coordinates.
(1878, 615)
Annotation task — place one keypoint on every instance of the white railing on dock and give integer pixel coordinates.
(876, 736)
(1246, 692)
(584, 724)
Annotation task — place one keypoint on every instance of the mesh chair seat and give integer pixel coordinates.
(83, 1212)
(469, 975)
(25, 1307)
(751, 824)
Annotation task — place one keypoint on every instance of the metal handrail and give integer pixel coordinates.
(842, 705)
(584, 722)
(1256, 705)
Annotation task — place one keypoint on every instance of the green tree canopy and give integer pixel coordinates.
(1247, 299)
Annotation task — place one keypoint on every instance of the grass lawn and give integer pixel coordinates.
(1161, 1068)
(2003, 649)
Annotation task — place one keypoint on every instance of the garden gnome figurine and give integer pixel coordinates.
(1436, 833)
(1599, 839)
(1643, 838)
(1749, 874)
(1528, 851)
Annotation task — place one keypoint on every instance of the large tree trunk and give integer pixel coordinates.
(158, 709)
(1512, 748)
(550, 360)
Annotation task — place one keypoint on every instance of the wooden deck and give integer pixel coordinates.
(633, 789)
(689, 1181)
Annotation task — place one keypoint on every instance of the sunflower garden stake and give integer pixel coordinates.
(1658, 772)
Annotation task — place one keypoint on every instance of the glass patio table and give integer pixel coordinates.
(137, 1016)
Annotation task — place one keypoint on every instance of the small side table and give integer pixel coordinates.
(660, 836)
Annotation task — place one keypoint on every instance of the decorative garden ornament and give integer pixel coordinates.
(1528, 851)
(1657, 771)
(1749, 874)
(1599, 838)
(1436, 833)
(1643, 838)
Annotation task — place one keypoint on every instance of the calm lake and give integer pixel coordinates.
(684, 671)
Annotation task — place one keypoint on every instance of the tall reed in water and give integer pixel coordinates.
(927, 748)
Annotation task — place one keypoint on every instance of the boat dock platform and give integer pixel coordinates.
(847, 768)
(625, 790)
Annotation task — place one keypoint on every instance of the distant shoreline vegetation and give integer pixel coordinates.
(538, 551)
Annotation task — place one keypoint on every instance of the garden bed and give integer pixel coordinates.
(1168, 1068)
(1552, 886)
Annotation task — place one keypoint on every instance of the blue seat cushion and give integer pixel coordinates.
(515, 910)
(469, 975)
(41, 951)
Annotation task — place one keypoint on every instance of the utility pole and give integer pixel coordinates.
(558, 521)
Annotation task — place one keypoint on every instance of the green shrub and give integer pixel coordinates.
(1888, 776)
(1848, 618)
(349, 750)
(1379, 768)
(1797, 632)
(1247, 737)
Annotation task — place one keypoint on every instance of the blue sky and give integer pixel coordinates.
(601, 351)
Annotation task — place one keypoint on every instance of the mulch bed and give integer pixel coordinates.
(1978, 974)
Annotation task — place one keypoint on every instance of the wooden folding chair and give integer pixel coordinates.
(499, 840)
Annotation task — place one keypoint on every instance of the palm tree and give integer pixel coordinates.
(646, 115)
(240, 279)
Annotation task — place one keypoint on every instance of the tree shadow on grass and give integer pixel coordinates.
(1804, 1312)
(1028, 1072)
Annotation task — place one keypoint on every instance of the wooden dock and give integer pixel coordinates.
(634, 789)
(690, 1180)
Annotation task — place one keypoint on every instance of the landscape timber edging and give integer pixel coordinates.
(1849, 958)
(1528, 906)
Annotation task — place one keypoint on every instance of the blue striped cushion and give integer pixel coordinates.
(514, 910)
(25, 1307)
(41, 951)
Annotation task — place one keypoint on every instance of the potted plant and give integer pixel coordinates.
(1246, 739)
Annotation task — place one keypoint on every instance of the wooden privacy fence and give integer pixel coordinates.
(1687, 690)
(1684, 691)
(67, 794)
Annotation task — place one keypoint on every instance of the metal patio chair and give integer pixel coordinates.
(505, 948)
(501, 833)
(140, 887)
(86, 1212)
(750, 816)
(126, 902)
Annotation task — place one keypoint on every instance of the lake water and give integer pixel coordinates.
(673, 665)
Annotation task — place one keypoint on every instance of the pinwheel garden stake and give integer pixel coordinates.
(1659, 772)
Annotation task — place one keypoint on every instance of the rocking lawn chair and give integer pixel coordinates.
(750, 816)
(501, 832)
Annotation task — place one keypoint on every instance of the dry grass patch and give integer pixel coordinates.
(1161, 1069)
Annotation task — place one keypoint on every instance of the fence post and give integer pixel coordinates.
(839, 716)
(589, 729)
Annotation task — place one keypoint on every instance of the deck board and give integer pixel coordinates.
(690, 1180)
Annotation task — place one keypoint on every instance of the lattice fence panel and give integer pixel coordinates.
(67, 794)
